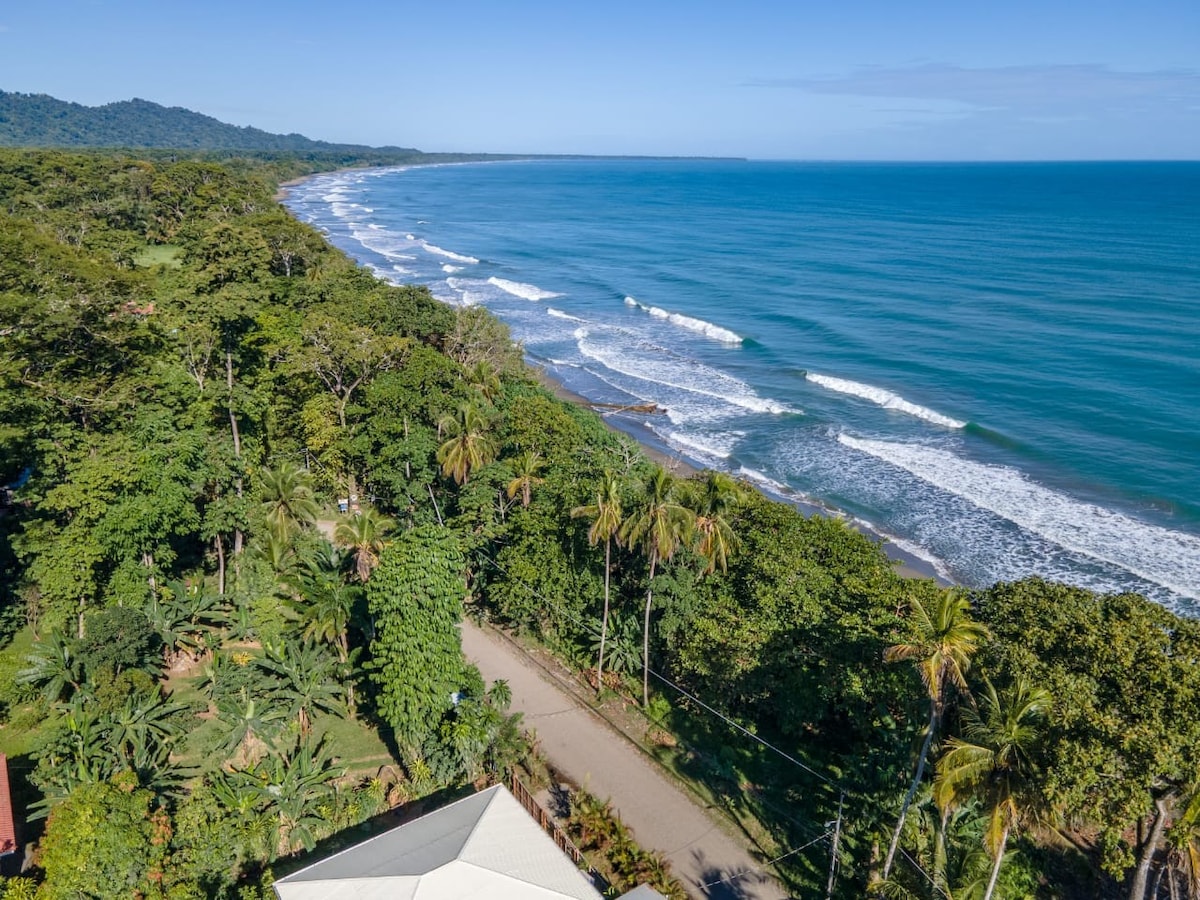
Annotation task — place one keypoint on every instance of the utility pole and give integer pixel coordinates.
(833, 851)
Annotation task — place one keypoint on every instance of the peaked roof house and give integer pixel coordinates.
(484, 847)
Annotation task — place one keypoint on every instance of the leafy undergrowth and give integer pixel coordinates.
(601, 834)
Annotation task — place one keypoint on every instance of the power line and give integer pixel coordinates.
(784, 755)
(682, 691)
(769, 862)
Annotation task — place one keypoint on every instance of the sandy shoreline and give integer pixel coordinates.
(907, 564)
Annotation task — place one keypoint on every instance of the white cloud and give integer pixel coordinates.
(1024, 89)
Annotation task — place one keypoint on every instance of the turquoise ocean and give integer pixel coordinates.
(995, 366)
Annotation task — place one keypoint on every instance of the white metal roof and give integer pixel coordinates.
(484, 846)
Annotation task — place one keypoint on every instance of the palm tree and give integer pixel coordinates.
(469, 447)
(325, 607)
(713, 502)
(485, 379)
(991, 763)
(525, 467)
(659, 524)
(605, 515)
(288, 498)
(54, 667)
(182, 620)
(276, 549)
(1184, 841)
(945, 639)
(363, 534)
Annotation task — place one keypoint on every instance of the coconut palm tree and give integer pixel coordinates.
(605, 515)
(288, 498)
(991, 763)
(659, 524)
(944, 640)
(525, 468)
(713, 502)
(469, 446)
(485, 379)
(363, 534)
(325, 608)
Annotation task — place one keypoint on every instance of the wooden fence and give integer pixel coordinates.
(561, 840)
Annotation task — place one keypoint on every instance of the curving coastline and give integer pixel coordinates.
(842, 359)
(908, 564)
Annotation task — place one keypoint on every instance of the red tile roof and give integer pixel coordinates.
(8, 831)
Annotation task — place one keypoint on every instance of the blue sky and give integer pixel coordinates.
(798, 80)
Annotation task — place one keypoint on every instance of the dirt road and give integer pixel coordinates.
(591, 753)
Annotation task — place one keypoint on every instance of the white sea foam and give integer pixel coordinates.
(524, 291)
(757, 477)
(884, 398)
(655, 366)
(708, 329)
(711, 446)
(382, 241)
(410, 237)
(449, 254)
(559, 314)
(450, 270)
(1158, 555)
(466, 291)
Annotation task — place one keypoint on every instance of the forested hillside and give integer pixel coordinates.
(39, 120)
(209, 667)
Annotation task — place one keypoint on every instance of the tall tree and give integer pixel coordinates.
(345, 357)
(288, 499)
(658, 524)
(606, 516)
(362, 534)
(525, 470)
(944, 638)
(992, 763)
(713, 503)
(415, 598)
(1121, 752)
(469, 445)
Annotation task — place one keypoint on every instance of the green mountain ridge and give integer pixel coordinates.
(39, 120)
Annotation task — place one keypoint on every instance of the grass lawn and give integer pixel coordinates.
(354, 743)
(158, 255)
(24, 724)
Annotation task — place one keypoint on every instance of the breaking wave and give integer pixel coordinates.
(708, 329)
(884, 398)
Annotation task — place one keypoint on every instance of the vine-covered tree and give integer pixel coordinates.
(415, 598)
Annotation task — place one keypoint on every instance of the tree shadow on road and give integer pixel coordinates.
(729, 883)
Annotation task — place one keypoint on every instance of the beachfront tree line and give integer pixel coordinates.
(192, 379)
